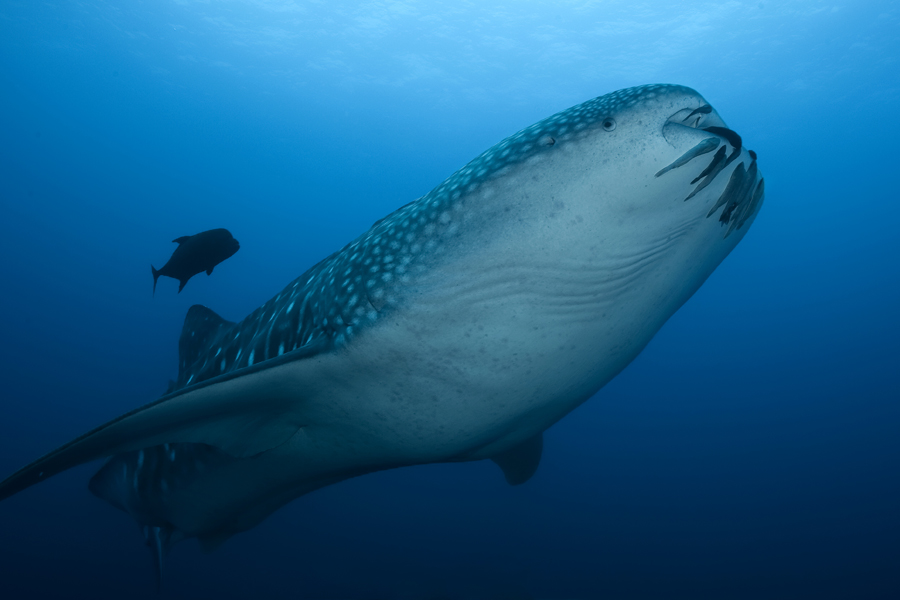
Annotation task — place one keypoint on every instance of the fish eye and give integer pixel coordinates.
(609, 123)
(547, 140)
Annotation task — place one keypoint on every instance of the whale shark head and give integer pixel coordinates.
(643, 191)
(675, 125)
(651, 161)
(632, 199)
(676, 185)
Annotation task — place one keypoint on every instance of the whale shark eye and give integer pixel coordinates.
(609, 123)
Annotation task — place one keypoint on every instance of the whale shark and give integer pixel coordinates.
(457, 328)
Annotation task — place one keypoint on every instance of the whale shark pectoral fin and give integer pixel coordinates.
(241, 416)
(520, 462)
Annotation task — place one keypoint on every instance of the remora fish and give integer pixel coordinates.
(195, 254)
(457, 328)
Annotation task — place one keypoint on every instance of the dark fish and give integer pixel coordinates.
(732, 191)
(709, 173)
(733, 138)
(195, 254)
(707, 145)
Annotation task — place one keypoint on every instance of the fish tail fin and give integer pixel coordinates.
(155, 277)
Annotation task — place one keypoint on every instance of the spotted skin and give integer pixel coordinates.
(348, 291)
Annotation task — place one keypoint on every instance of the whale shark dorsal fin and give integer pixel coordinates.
(520, 462)
(181, 239)
(202, 329)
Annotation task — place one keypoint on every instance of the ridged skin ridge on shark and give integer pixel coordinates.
(457, 328)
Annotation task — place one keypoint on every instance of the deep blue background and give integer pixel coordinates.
(752, 450)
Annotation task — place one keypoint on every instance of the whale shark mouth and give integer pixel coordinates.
(745, 188)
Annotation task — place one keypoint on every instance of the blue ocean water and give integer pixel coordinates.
(751, 451)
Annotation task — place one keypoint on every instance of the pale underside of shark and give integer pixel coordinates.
(457, 328)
